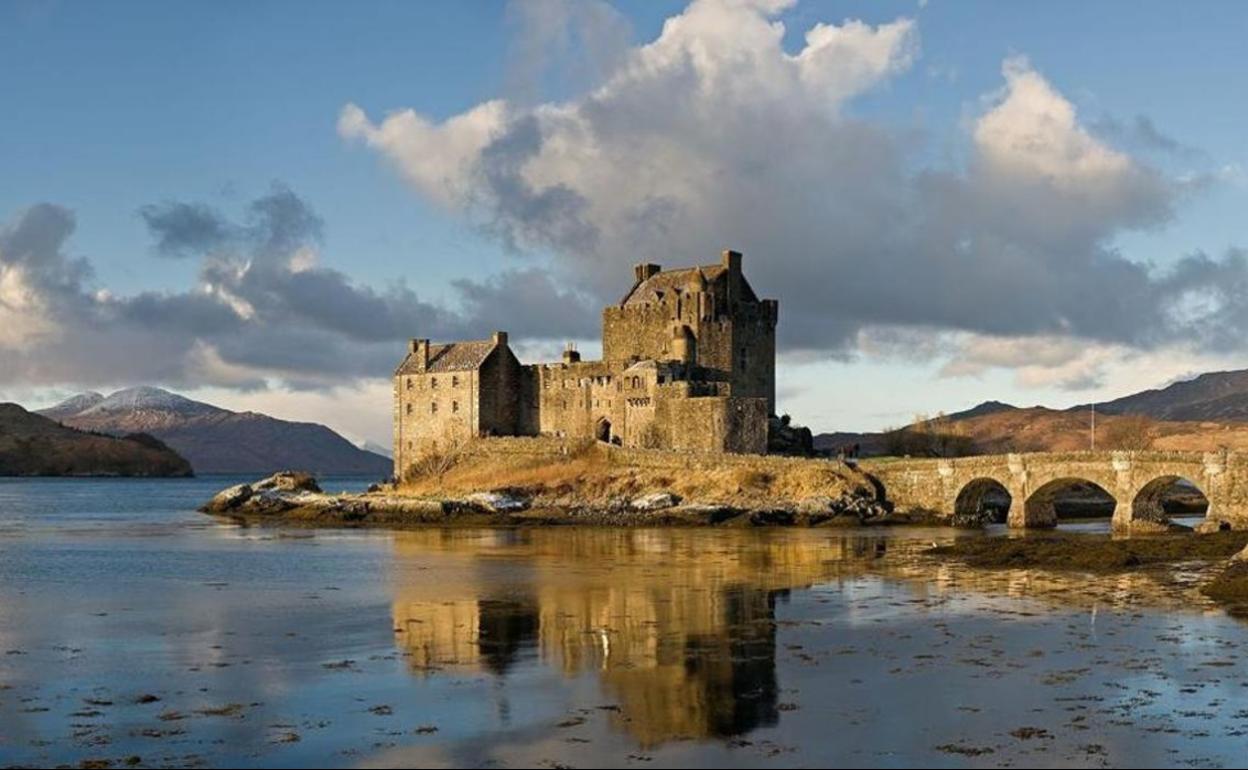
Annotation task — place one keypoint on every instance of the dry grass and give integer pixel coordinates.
(590, 476)
(1045, 430)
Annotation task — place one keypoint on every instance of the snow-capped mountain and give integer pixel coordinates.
(217, 440)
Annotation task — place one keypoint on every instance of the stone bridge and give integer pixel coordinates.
(1136, 480)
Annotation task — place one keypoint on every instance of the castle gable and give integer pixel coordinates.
(669, 282)
(451, 357)
(653, 285)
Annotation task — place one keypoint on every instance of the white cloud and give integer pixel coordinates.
(713, 135)
(406, 138)
(23, 314)
(1033, 130)
(1067, 364)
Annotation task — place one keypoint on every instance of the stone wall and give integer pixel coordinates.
(511, 449)
(712, 423)
(436, 410)
(754, 346)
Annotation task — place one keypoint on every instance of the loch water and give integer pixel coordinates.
(135, 630)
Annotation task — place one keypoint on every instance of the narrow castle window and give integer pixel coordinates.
(454, 406)
(454, 381)
(433, 382)
(409, 383)
(433, 407)
(409, 408)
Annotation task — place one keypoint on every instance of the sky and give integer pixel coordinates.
(257, 203)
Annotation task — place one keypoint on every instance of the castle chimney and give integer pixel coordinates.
(644, 270)
(732, 261)
(570, 354)
(500, 338)
(420, 349)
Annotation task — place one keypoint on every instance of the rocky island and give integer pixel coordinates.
(535, 481)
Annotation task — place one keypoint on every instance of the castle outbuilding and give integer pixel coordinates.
(688, 363)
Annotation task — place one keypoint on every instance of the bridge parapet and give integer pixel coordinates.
(1136, 480)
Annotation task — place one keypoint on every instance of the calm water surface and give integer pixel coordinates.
(133, 627)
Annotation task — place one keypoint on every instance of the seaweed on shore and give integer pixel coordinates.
(1230, 588)
(1093, 553)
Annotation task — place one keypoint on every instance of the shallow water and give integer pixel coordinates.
(132, 626)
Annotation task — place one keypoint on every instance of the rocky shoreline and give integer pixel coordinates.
(295, 499)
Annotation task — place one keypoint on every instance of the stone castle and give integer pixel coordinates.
(688, 363)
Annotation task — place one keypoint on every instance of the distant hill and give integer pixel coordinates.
(377, 449)
(217, 440)
(1037, 429)
(979, 410)
(1215, 396)
(33, 445)
(872, 443)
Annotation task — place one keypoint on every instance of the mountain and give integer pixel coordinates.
(34, 445)
(71, 406)
(874, 443)
(377, 449)
(217, 440)
(987, 407)
(1215, 396)
(1037, 429)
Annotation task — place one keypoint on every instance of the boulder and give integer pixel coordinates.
(289, 481)
(229, 498)
(1209, 526)
(972, 519)
(268, 501)
(497, 502)
(865, 509)
(279, 492)
(699, 513)
(655, 501)
(1240, 557)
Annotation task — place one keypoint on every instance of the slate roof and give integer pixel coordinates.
(665, 282)
(451, 357)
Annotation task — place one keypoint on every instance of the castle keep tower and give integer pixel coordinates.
(688, 364)
(709, 315)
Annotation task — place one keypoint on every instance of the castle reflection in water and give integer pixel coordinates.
(679, 624)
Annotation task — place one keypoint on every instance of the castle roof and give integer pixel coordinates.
(683, 279)
(666, 282)
(451, 357)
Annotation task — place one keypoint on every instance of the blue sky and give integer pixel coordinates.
(113, 107)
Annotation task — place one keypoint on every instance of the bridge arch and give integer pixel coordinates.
(1154, 501)
(1041, 508)
(933, 485)
(980, 497)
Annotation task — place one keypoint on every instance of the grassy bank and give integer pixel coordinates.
(513, 483)
(591, 477)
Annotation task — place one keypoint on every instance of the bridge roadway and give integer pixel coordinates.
(1137, 481)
